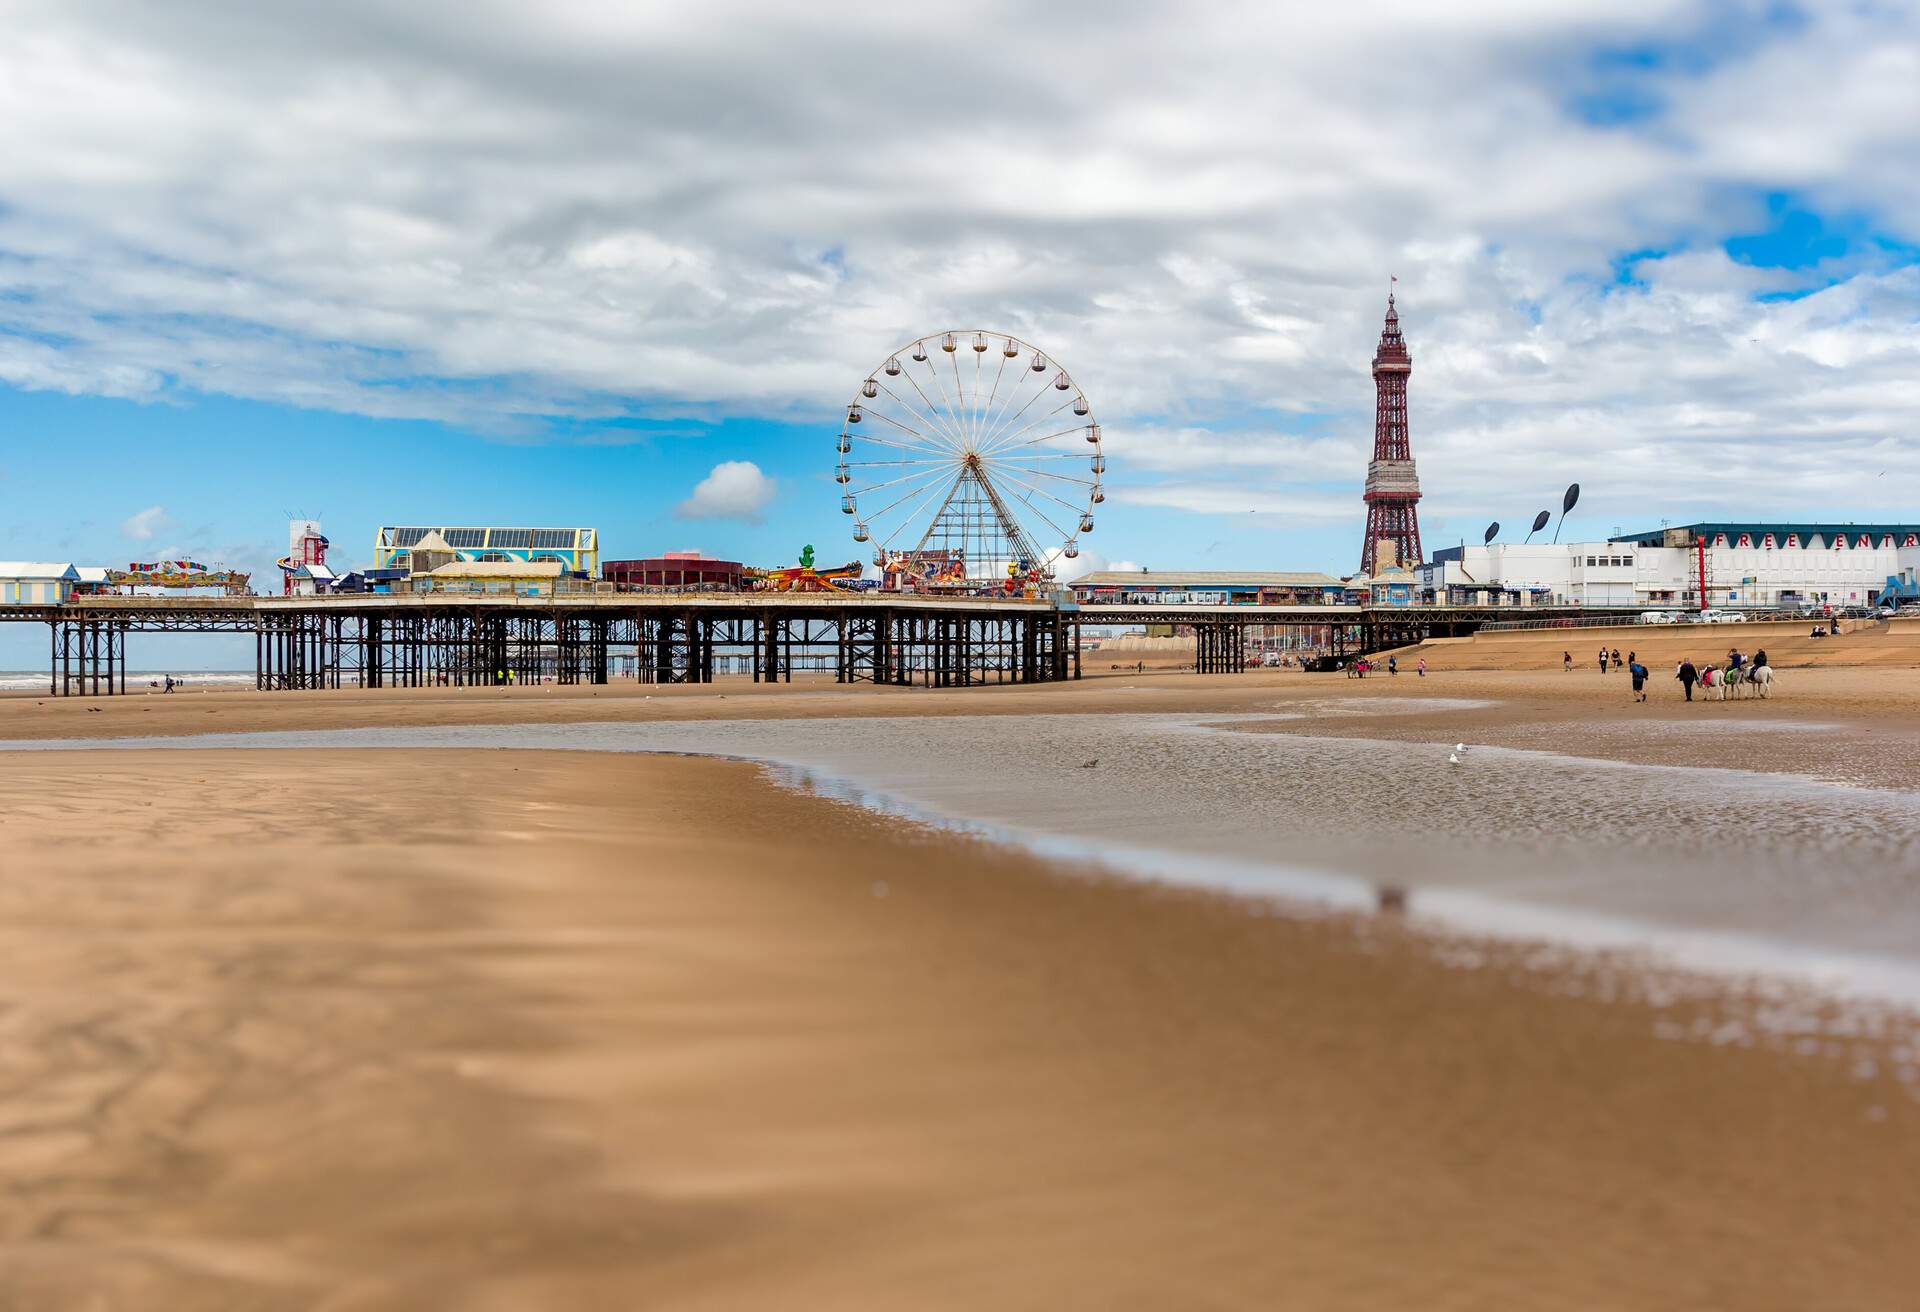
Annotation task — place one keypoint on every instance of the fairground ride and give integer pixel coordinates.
(970, 459)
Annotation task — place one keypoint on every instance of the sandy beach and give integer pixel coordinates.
(383, 1029)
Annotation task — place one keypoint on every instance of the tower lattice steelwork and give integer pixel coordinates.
(1393, 488)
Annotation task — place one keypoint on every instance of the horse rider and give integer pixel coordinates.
(1760, 658)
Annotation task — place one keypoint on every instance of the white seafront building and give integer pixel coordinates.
(1757, 565)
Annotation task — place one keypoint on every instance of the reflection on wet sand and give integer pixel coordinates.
(1734, 870)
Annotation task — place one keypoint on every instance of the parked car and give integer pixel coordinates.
(1722, 617)
(1657, 617)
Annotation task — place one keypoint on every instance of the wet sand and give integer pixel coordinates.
(408, 1029)
(1880, 698)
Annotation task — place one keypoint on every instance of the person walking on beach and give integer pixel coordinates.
(1617, 662)
(1393, 665)
(1688, 676)
(1639, 673)
(1566, 662)
(169, 687)
(1603, 660)
(1422, 670)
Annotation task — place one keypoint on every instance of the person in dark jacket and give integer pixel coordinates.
(1759, 658)
(1639, 673)
(1688, 676)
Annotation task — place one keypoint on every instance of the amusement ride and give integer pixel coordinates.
(970, 460)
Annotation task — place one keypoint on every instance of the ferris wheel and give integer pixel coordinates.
(967, 458)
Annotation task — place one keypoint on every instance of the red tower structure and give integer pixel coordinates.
(1393, 489)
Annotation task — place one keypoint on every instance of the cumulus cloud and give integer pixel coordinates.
(1087, 562)
(496, 215)
(145, 525)
(735, 489)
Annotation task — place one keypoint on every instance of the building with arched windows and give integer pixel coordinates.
(575, 550)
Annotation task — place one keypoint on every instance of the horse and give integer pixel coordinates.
(1761, 677)
(1712, 687)
(1736, 682)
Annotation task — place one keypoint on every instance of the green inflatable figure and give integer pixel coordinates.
(806, 556)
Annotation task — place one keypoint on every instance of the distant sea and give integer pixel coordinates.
(137, 680)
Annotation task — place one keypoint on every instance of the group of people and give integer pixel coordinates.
(1363, 667)
(1606, 658)
(1688, 674)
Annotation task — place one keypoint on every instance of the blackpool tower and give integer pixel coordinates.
(1393, 489)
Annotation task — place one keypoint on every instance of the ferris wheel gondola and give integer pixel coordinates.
(965, 466)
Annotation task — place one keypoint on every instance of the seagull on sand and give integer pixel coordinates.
(1088, 765)
(1452, 759)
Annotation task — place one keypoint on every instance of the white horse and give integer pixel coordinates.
(1713, 685)
(1737, 682)
(1762, 680)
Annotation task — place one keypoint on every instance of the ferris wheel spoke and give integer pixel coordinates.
(1002, 452)
(1015, 418)
(933, 441)
(912, 447)
(1006, 413)
(1077, 511)
(899, 507)
(1013, 437)
(947, 407)
(960, 396)
(1062, 478)
(935, 414)
(914, 477)
(1027, 501)
(931, 421)
(998, 374)
(918, 479)
(979, 368)
(876, 464)
(913, 514)
(936, 521)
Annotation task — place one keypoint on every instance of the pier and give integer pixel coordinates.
(406, 641)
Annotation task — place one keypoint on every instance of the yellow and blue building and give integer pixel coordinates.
(575, 550)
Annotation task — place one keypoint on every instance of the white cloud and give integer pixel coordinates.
(1087, 562)
(495, 214)
(736, 489)
(145, 525)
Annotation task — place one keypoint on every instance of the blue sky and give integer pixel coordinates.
(458, 264)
